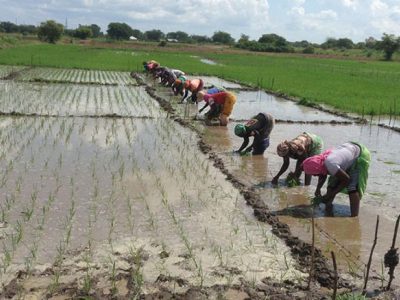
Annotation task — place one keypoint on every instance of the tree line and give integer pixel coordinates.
(51, 31)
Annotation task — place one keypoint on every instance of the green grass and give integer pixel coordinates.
(369, 87)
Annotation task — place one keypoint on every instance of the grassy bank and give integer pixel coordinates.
(357, 86)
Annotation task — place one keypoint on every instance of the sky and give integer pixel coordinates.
(295, 20)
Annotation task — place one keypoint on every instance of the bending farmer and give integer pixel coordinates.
(300, 148)
(347, 166)
(221, 106)
(260, 126)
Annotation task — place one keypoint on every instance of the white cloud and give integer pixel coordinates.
(385, 18)
(350, 3)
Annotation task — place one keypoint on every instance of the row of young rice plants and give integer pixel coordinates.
(7, 70)
(78, 76)
(91, 182)
(65, 99)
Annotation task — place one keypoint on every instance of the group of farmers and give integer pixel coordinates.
(346, 164)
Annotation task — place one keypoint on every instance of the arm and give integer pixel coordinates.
(343, 182)
(185, 95)
(283, 169)
(201, 109)
(321, 181)
(244, 144)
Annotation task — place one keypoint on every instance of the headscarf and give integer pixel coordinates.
(314, 165)
(283, 148)
(240, 130)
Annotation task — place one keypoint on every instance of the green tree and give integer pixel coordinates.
(83, 32)
(9, 27)
(222, 37)
(154, 35)
(389, 44)
(138, 34)
(50, 31)
(119, 31)
(273, 39)
(179, 36)
(200, 38)
(243, 39)
(344, 43)
(95, 30)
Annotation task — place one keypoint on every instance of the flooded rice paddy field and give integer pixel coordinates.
(77, 76)
(350, 238)
(118, 206)
(354, 235)
(76, 100)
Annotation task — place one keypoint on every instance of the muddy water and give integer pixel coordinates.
(215, 81)
(349, 237)
(251, 103)
(76, 183)
(208, 61)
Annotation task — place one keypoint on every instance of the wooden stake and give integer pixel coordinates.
(391, 270)
(312, 250)
(336, 275)
(370, 255)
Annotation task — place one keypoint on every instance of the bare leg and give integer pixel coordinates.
(354, 203)
(329, 209)
(223, 119)
(307, 179)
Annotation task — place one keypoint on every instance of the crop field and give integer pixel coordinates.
(369, 87)
(104, 196)
(78, 76)
(76, 100)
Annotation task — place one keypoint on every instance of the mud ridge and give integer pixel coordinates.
(105, 116)
(161, 289)
(394, 128)
(301, 251)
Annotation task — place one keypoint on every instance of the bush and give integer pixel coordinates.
(50, 31)
(309, 50)
(83, 32)
(162, 44)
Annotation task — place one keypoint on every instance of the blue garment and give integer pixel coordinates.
(215, 90)
(260, 147)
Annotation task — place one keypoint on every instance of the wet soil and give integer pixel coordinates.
(300, 250)
(262, 213)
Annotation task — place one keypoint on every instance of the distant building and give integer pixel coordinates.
(132, 38)
(172, 40)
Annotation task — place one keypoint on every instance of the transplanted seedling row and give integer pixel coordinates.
(79, 183)
(78, 76)
(60, 99)
(5, 71)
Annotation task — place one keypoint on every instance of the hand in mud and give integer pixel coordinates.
(244, 153)
(274, 181)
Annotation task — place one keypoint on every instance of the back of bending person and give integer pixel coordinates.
(221, 106)
(348, 167)
(260, 127)
(300, 148)
(193, 86)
